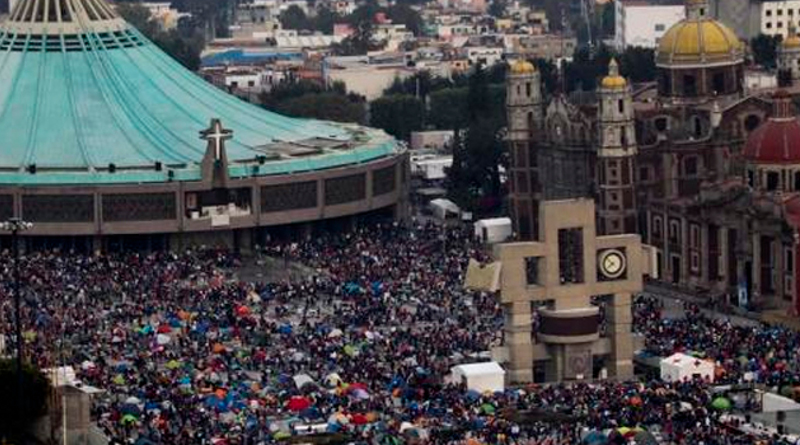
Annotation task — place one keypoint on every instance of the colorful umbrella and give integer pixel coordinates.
(298, 403)
(721, 403)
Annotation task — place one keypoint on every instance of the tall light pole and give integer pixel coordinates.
(16, 225)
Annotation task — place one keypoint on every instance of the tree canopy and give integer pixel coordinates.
(183, 43)
(15, 422)
(765, 50)
(313, 100)
(398, 114)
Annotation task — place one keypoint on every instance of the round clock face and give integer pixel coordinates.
(612, 263)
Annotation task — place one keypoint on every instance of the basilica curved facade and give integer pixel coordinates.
(707, 172)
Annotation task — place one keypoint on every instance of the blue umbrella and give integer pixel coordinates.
(473, 395)
(285, 329)
(595, 438)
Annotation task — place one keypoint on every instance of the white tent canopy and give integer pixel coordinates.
(679, 367)
(493, 230)
(481, 377)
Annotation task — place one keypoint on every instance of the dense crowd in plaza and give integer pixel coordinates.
(188, 353)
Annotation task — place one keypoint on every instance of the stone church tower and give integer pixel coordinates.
(616, 152)
(524, 108)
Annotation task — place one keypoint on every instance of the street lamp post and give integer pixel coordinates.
(16, 225)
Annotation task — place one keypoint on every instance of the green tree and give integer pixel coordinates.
(398, 114)
(548, 72)
(139, 17)
(294, 18)
(448, 109)
(586, 68)
(765, 50)
(498, 8)
(15, 422)
(481, 152)
(325, 20)
(401, 13)
(311, 99)
(183, 44)
(608, 18)
(329, 106)
(638, 64)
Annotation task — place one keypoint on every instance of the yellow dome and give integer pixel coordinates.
(792, 41)
(699, 42)
(613, 80)
(522, 67)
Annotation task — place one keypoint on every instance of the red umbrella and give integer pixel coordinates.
(164, 328)
(243, 311)
(359, 419)
(298, 403)
(355, 386)
(635, 401)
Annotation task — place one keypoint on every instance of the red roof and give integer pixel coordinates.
(777, 141)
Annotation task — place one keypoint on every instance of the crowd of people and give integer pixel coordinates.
(187, 352)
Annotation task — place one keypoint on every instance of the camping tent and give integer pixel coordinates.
(480, 377)
(678, 367)
(493, 230)
(444, 208)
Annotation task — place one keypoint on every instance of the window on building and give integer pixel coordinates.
(690, 166)
(769, 13)
(779, 25)
(751, 122)
(718, 83)
(695, 244)
(768, 25)
(797, 181)
(660, 27)
(644, 174)
(689, 85)
(661, 124)
(674, 231)
(570, 255)
(698, 127)
(657, 222)
(528, 89)
(780, 12)
(532, 271)
(621, 106)
(772, 181)
(751, 178)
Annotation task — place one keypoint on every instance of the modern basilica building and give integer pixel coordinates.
(106, 142)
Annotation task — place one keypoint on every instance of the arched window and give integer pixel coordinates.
(751, 122)
(698, 127)
(661, 124)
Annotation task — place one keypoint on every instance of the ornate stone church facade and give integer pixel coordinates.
(705, 171)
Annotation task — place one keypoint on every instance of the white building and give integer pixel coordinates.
(640, 24)
(365, 75)
(777, 16)
(485, 55)
(433, 139)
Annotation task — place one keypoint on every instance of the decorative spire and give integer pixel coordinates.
(613, 67)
